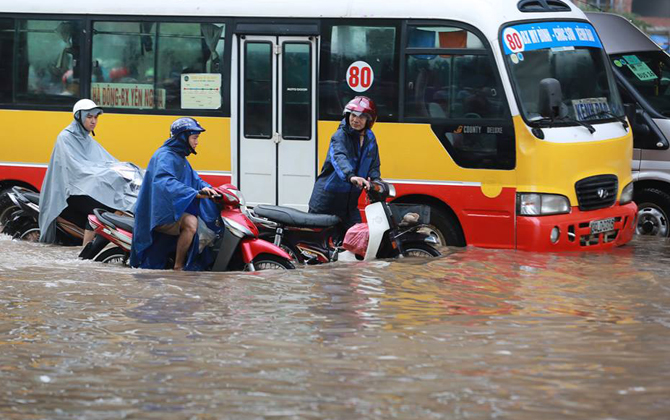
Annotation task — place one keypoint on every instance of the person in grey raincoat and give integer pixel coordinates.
(352, 162)
(82, 176)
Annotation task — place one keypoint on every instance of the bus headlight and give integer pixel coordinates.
(533, 204)
(626, 194)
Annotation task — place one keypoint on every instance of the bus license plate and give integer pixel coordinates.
(599, 226)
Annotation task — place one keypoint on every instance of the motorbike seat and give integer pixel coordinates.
(32, 197)
(291, 217)
(123, 222)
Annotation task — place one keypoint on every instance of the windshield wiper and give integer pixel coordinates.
(576, 121)
(622, 120)
(566, 119)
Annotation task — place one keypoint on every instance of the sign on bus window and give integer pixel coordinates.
(544, 35)
(360, 76)
(201, 91)
(127, 95)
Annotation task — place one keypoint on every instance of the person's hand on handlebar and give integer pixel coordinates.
(360, 182)
(208, 192)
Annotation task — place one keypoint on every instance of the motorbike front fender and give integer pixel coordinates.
(251, 248)
(378, 224)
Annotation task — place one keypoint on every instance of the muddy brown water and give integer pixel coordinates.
(475, 334)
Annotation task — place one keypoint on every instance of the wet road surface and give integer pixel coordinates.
(475, 334)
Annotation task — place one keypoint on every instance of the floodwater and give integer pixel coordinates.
(475, 334)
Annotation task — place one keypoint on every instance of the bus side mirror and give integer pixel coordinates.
(646, 134)
(551, 98)
(634, 114)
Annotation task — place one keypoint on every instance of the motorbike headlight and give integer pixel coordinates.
(237, 229)
(391, 190)
(240, 197)
(626, 194)
(533, 204)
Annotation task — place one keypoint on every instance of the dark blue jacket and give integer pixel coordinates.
(169, 190)
(333, 192)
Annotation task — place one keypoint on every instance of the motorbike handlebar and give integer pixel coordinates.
(374, 186)
(204, 194)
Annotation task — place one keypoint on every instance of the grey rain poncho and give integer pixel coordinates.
(79, 165)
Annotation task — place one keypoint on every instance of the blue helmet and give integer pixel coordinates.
(183, 125)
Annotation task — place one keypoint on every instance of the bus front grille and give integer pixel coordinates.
(597, 192)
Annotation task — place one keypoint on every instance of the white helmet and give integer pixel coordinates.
(85, 105)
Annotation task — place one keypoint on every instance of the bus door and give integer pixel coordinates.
(276, 119)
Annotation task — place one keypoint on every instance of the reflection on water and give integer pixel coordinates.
(476, 334)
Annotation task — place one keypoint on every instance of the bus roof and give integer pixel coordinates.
(488, 15)
(619, 35)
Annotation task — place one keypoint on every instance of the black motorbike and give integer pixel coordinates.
(23, 223)
(317, 238)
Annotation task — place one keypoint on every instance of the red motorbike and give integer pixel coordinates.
(237, 247)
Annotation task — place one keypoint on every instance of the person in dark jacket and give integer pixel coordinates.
(352, 162)
(168, 209)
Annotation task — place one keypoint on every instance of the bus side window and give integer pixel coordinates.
(184, 49)
(123, 64)
(6, 60)
(344, 45)
(146, 65)
(39, 61)
(450, 82)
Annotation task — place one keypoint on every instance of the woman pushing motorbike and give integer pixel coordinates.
(352, 162)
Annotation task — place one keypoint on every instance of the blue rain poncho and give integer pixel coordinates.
(79, 165)
(169, 190)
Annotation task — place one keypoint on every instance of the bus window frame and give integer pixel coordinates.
(329, 23)
(83, 66)
(508, 69)
(486, 51)
(632, 91)
(86, 55)
(224, 111)
(312, 95)
(243, 99)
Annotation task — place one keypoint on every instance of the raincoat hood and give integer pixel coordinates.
(178, 145)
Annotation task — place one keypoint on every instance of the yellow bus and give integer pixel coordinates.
(501, 116)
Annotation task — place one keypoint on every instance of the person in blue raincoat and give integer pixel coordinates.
(167, 209)
(352, 162)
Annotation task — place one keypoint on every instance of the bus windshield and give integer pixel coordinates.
(649, 73)
(570, 53)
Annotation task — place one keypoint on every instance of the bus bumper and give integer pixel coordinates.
(574, 230)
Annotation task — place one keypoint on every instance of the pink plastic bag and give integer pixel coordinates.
(356, 239)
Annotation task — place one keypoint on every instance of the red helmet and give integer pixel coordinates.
(362, 105)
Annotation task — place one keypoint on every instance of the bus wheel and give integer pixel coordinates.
(445, 228)
(653, 208)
